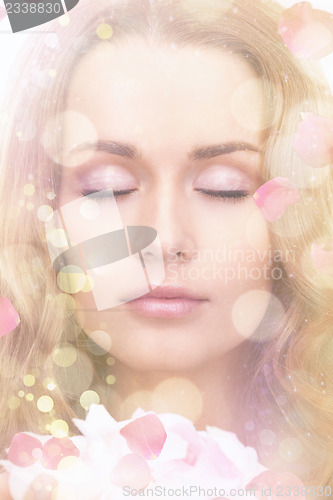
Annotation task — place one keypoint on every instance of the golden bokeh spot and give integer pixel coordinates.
(104, 31)
(59, 428)
(64, 354)
(45, 213)
(52, 73)
(67, 462)
(248, 311)
(110, 360)
(29, 206)
(103, 341)
(58, 238)
(110, 379)
(29, 380)
(178, 395)
(49, 383)
(137, 399)
(51, 195)
(64, 20)
(21, 394)
(65, 304)
(13, 402)
(19, 133)
(29, 189)
(71, 279)
(89, 284)
(290, 449)
(21, 203)
(88, 398)
(45, 404)
(29, 396)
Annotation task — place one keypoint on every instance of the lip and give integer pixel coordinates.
(168, 302)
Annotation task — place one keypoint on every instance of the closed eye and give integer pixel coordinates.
(98, 195)
(225, 195)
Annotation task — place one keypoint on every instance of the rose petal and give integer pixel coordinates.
(9, 317)
(55, 449)
(131, 471)
(24, 450)
(145, 436)
(314, 140)
(273, 482)
(307, 32)
(275, 196)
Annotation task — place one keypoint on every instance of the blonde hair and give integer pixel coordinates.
(290, 379)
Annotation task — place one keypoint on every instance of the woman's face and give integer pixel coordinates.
(192, 122)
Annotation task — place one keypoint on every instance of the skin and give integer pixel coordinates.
(166, 102)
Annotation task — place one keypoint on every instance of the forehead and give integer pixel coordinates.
(167, 97)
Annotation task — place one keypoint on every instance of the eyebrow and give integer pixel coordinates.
(127, 150)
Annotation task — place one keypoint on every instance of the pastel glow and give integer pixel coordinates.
(131, 470)
(275, 196)
(307, 32)
(9, 317)
(314, 140)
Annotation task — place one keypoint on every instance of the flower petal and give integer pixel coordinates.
(314, 140)
(275, 196)
(307, 32)
(131, 471)
(145, 436)
(24, 450)
(55, 449)
(9, 317)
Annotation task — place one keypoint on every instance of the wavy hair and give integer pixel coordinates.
(290, 373)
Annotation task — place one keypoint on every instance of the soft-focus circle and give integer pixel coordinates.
(102, 341)
(178, 395)
(290, 449)
(104, 31)
(71, 279)
(64, 354)
(45, 404)
(45, 213)
(58, 238)
(59, 428)
(249, 310)
(88, 398)
(90, 209)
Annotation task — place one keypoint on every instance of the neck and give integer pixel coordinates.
(207, 395)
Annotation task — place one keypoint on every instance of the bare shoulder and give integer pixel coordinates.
(4, 488)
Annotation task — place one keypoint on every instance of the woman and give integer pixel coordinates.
(178, 112)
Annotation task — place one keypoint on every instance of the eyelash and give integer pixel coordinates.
(229, 196)
(107, 194)
(233, 196)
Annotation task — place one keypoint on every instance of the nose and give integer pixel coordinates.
(167, 211)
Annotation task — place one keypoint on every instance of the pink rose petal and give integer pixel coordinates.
(275, 196)
(55, 449)
(132, 471)
(314, 140)
(24, 450)
(307, 32)
(145, 436)
(9, 318)
(277, 484)
(322, 258)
